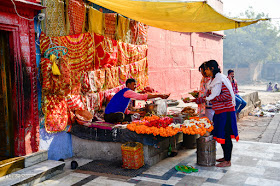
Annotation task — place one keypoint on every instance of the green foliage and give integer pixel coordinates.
(256, 43)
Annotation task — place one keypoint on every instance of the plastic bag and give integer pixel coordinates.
(55, 69)
(161, 107)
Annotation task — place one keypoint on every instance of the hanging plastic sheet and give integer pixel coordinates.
(175, 15)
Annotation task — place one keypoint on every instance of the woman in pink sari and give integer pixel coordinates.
(204, 108)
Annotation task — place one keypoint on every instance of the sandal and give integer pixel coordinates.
(182, 169)
(191, 168)
(224, 164)
(220, 160)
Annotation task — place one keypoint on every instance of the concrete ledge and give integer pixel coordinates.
(252, 100)
(111, 151)
(33, 174)
(35, 158)
(96, 150)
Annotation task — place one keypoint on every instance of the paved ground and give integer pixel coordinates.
(265, 97)
(252, 128)
(255, 161)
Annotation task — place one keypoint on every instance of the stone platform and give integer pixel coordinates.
(101, 150)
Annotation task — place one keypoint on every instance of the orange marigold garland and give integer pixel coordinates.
(193, 126)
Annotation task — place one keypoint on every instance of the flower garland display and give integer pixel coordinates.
(165, 128)
(196, 125)
(140, 127)
(155, 121)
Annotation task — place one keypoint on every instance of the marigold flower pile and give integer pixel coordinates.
(164, 127)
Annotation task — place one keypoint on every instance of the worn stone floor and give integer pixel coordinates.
(253, 163)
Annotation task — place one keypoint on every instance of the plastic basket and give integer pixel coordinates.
(132, 155)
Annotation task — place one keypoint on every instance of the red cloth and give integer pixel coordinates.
(92, 101)
(101, 99)
(74, 102)
(112, 77)
(76, 13)
(128, 53)
(133, 31)
(99, 77)
(142, 34)
(110, 25)
(56, 113)
(124, 74)
(102, 125)
(47, 83)
(80, 49)
(106, 52)
(85, 85)
(134, 70)
(56, 84)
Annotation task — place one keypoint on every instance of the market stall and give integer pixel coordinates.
(156, 133)
(84, 64)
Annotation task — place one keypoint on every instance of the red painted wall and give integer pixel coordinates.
(23, 55)
(174, 59)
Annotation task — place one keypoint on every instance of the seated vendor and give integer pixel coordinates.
(116, 110)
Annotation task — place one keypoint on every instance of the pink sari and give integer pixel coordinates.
(202, 93)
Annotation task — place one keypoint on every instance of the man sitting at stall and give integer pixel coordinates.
(116, 110)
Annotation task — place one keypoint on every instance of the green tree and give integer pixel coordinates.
(256, 43)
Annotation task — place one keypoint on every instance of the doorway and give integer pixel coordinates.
(6, 121)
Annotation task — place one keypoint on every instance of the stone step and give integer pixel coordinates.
(33, 174)
(35, 158)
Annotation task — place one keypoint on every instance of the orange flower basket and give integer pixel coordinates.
(132, 155)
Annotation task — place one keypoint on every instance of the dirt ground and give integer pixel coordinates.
(265, 97)
(251, 128)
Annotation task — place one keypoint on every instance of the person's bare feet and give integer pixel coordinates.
(220, 160)
(224, 164)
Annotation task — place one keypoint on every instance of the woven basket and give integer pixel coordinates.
(83, 115)
(132, 155)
